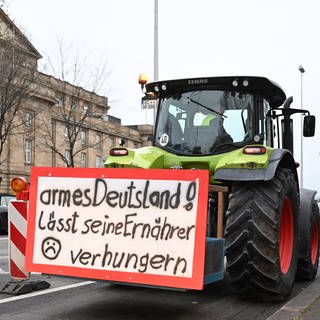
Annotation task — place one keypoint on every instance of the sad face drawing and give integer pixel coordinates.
(51, 248)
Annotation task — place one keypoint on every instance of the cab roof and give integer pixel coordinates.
(255, 85)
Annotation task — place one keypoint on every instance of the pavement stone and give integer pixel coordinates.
(305, 306)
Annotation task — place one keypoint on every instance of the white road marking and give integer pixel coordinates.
(3, 272)
(46, 291)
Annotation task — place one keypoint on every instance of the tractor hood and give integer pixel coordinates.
(154, 157)
(147, 157)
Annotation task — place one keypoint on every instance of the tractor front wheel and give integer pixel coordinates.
(262, 237)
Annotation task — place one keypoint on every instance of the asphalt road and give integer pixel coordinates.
(3, 254)
(69, 298)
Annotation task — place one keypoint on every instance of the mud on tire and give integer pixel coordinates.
(262, 237)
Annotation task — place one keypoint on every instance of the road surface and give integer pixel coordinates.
(70, 298)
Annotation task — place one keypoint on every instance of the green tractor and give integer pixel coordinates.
(240, 130)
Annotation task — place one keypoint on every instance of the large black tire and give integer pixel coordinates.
(309, 228)
(262, 237)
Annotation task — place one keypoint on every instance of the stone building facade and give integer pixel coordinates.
(48, 119)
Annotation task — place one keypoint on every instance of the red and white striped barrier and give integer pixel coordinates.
(17, 215)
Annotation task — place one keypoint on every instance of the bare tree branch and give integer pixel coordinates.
(17, 83)
(76, 107)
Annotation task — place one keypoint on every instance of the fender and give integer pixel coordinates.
(278, 157)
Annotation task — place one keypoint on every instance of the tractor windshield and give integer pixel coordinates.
(204, 122)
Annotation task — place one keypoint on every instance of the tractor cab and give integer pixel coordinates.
(217, 124)
(208, 116)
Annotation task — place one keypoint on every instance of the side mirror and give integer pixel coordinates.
(309, 125)
(122, 142)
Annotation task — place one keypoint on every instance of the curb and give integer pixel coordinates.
(300, 305)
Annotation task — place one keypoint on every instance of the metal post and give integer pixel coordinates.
(155, 51)
(221, 190)
(220, 215)
(302, 71)
(156, 43)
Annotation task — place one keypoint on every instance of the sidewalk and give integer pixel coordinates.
(305, 306)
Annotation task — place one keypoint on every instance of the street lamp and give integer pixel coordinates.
(156, 43)
(155, 51)
(302, 71)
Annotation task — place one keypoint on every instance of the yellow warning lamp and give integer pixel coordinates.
(142, 80)
(19, 186)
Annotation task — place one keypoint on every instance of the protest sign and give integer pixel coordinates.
(129, 225)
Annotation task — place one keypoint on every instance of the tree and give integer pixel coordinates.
(17, 83)
(4, 5)
(76, 109)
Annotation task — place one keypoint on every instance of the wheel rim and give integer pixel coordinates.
(286, 235)
(314, 242)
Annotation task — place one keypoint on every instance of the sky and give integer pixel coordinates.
(196, 38)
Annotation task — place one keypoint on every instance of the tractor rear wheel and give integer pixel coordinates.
(309, 243)
(262, 237)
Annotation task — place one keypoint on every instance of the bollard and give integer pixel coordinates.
(17, 240)
(17, 211)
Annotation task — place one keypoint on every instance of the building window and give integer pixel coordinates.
(28, 151)
(67, 155)
(86, 110)
(98, 141)
(28, 119)
(66, 133)
(99, 163)
(83, 160)
(110, 142)
(83, 137)
(59, 102)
